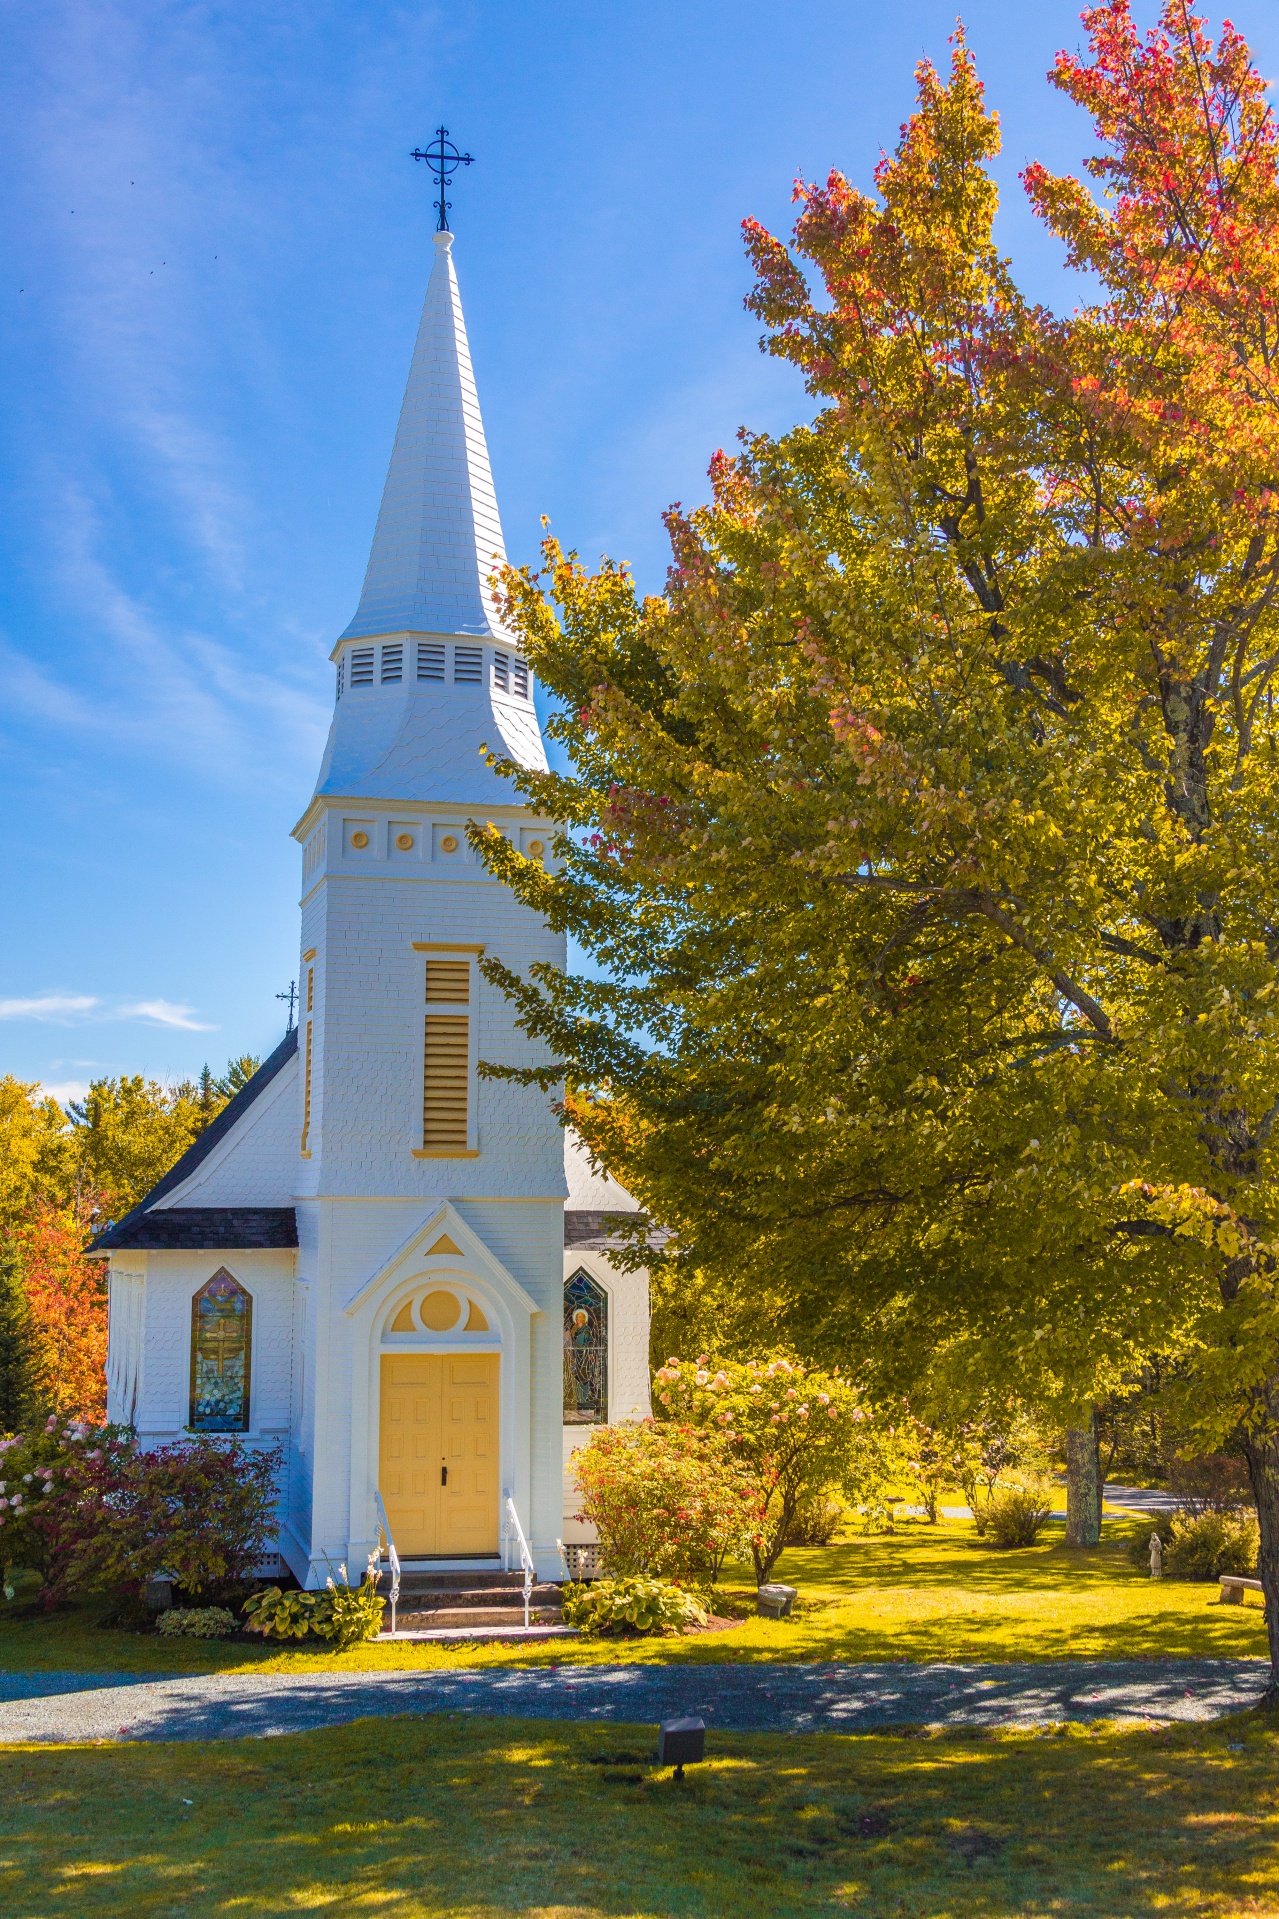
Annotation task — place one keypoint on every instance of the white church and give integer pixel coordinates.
(377, 1261)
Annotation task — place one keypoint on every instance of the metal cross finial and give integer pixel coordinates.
(445, 161)
(292, 997)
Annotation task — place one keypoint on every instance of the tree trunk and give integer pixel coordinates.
(1083, 1483)
(1262, 1453)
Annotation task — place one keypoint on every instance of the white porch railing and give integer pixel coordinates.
(393, 1558)
(514, 1528)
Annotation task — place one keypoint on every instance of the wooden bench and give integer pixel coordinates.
(1234, 1586)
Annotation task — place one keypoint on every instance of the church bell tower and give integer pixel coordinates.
(396, 1130)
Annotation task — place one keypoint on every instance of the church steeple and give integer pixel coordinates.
(438, 529)
(426, 675)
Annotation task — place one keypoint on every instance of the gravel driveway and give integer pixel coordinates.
(763, 1698)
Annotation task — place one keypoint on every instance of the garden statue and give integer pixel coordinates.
(1156, 1556)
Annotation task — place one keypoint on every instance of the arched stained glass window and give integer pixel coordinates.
(221, 1347)
(585, 1351)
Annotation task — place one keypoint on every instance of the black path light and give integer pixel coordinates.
(680, 1743)
(445, 161)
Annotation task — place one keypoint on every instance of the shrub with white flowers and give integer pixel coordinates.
(795, 1429)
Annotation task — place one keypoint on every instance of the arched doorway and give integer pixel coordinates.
(439, 1427)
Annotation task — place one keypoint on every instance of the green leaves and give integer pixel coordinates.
(919, 834)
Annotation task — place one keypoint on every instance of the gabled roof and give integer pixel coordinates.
(122, 1232)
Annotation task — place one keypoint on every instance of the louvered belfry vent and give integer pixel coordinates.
(446, 1072)
(448, 981)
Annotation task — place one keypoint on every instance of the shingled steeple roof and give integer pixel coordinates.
(438, 530)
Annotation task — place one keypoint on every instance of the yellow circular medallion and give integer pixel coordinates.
(404, 841)
(359, 839)
(448, 844)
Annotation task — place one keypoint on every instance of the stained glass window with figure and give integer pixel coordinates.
(585, 1351)
(221, 1335)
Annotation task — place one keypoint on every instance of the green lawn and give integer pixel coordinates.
(924, 1593)
(462, 1818)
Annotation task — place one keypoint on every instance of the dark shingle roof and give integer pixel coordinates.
(125, 1231)
(595, 1232)
(194, 1227)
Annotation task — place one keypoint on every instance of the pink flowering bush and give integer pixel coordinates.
(796, 1431)
(668, 1500)
(42, 1486)
(82, 1507)
(203, 1510)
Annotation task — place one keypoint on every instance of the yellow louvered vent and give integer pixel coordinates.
(445, 1078)
(448, 981)
(305, 1143)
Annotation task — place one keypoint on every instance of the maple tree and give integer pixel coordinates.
(64, 1172)
(922, 829)
(66, 1304)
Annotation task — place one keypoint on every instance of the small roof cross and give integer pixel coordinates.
(445, 161)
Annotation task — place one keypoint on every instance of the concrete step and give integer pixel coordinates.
(412, 1619)
(477, 1581)
(440, 1598)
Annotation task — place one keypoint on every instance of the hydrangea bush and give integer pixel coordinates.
(44, 1476)
(796, 1431)
(86, 1510)
(668, 1500)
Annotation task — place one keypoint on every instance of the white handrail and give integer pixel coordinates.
(526, 1557)
(384, 1526)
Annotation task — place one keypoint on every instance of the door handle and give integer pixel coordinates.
(444, 1475)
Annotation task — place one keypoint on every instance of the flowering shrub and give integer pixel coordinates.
(667, 1500)
(637, 1604)
(197, 1622)
(43, 1477)
(340, 1612)
(795, 1430)
(86, 1510)
(203, 1509)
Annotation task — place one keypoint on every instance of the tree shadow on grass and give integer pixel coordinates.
(490, 1819)
(951, 1554)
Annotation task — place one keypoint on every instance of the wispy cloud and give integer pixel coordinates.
(67, 1009)
(48, 1006)
(163, 1012)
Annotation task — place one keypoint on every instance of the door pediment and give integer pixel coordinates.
(470, 1255)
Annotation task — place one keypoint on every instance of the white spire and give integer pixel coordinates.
(426, 675)
(438, 529)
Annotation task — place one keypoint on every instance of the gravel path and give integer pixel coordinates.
(763, 1698)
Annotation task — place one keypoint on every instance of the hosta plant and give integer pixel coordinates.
(638, 1604)
(197, 1622)
(338, 1612)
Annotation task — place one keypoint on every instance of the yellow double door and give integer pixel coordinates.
(438, 1461)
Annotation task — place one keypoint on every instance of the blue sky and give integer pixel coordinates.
(216, 249)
